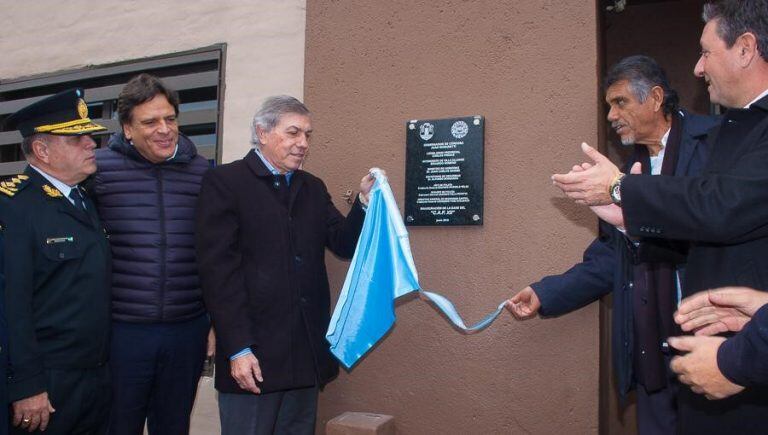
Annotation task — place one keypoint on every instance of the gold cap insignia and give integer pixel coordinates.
(82, 108)
(52, 191)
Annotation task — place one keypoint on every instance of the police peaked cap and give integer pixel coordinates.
(63, 114)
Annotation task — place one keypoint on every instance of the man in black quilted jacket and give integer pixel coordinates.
(146, 188)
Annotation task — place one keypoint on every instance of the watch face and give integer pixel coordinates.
(616, 193)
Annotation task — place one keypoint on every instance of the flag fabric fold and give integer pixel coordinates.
(382, 270)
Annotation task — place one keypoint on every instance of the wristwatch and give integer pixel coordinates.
(615, 189)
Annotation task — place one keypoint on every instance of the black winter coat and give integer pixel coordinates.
(262, 267)
(148, 211)
(724, 212)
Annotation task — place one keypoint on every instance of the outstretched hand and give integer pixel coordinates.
(589, 186)
(524, 305)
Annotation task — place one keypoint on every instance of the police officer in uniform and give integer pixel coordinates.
(3, 341)
(57, 275)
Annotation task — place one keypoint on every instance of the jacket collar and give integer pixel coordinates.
(693, 129)
(761, 103)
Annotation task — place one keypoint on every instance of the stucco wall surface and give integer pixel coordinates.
(531, 69)
(265, 44)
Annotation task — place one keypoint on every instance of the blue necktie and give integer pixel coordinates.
(77, 197)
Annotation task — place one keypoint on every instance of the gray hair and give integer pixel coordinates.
(737, 17)
(270, 112)
(643, 73)
(26, 143)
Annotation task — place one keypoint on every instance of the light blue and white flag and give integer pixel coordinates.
(381, 271)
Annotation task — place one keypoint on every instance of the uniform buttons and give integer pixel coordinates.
(631, 284)
(61, 255)
(297, 258)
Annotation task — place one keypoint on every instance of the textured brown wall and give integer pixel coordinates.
(531, 69)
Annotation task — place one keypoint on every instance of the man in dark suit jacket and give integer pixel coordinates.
(667, 141)
(56, 274)
(722, 212)
(262, 228)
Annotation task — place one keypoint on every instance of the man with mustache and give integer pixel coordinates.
(57, 270)
(263, 225)
(642, 275)
(722, 211)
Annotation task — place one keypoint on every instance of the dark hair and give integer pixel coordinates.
(737, 17)
(643, 73)
(139, 90)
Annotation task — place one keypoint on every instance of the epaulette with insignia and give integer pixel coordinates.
(52, 191)
(11, 185)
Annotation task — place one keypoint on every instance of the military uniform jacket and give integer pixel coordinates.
(57, 268)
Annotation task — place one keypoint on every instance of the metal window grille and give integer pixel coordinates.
(198, 77)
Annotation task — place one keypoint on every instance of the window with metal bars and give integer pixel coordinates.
(197, 76)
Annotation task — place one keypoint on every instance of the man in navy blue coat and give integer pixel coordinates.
(642, 275)
(721, 212)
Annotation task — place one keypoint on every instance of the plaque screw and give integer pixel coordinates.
(476, 121)
(475, 218)
(409, 218)
(411, 126)
(348, 196)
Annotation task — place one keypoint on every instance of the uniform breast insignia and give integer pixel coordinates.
(10, 186)
(52, 191)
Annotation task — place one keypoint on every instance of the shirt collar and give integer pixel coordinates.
(175, 151)
(269, 166)
(765, 92)
(63, 187)
(665, 138)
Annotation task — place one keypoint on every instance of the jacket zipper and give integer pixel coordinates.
(163, 241)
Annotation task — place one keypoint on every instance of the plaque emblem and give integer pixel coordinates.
(82, 109)
(426, 131)
(459, 129)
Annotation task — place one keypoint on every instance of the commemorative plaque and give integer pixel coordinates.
(444, 171)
